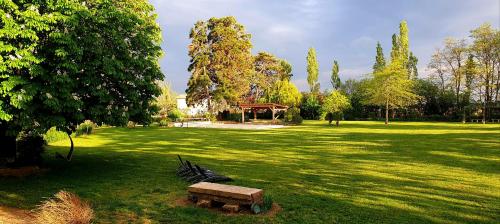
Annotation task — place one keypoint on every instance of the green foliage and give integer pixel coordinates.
(164, 122)
(356, 92)
(85, 128)
(310, 108)
(283, 92)
(391, 88)
(379, 59)
(286, 70)
(403, 45)
(412, 66)
(395, 52)
(312, 71)
(54, 135)
(30, 147)
(175, 114)
(268, 70)
(335, 104)
(100, 62)
(211, 117)
(335, 79)
(166, 101)
(292, 116)
(219, 76)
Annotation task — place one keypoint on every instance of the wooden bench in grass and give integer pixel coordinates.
(204, 193)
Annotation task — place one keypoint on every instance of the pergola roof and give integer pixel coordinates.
(262, 106)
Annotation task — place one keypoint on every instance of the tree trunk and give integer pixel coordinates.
(337, 123)
(71, 149)
(464, 118)
(484, 112)
(8, 143)
(386, 112)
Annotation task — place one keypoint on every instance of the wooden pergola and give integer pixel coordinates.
(259, 106)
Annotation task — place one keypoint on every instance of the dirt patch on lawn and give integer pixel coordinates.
(275, 209)
(21, 171)
(15, 216)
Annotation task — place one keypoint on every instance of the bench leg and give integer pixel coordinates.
(233, 208)
(204, 203)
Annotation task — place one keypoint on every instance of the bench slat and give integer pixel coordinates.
(229, 191)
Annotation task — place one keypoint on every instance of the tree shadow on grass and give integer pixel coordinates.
(316, 174)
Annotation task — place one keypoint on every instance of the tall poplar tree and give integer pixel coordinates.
(404, 45)
(379, 59)
(335, 79)
(395, 52)
(312, 71)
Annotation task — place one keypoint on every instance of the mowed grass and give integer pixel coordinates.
(360, 172)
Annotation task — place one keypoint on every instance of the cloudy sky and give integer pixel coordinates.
(344, 30)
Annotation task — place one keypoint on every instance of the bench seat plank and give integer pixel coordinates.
(244, 194)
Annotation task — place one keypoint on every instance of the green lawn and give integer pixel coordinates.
(360, 172)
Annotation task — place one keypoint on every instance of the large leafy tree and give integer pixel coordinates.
(486, 48)
(20, 29)
(312, 71)
(391, 88)
(221, 62)
(283, 92)
(93, 60)
(200, 85)
(268, 71)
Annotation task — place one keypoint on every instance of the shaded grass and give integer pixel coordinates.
(360, 172)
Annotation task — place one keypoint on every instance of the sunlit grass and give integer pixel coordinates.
(360, 172)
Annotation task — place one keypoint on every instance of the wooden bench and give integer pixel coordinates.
(476, 120)
(205, 193)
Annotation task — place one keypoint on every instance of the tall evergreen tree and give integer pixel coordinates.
(312, 71)
(286, 70)
(335, 79)
(268, 69)
(200, 86)
(379, 59)
(218, 75)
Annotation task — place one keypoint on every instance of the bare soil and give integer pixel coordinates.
(21, 171)
(15, 216)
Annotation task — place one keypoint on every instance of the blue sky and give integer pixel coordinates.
(344, 30)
